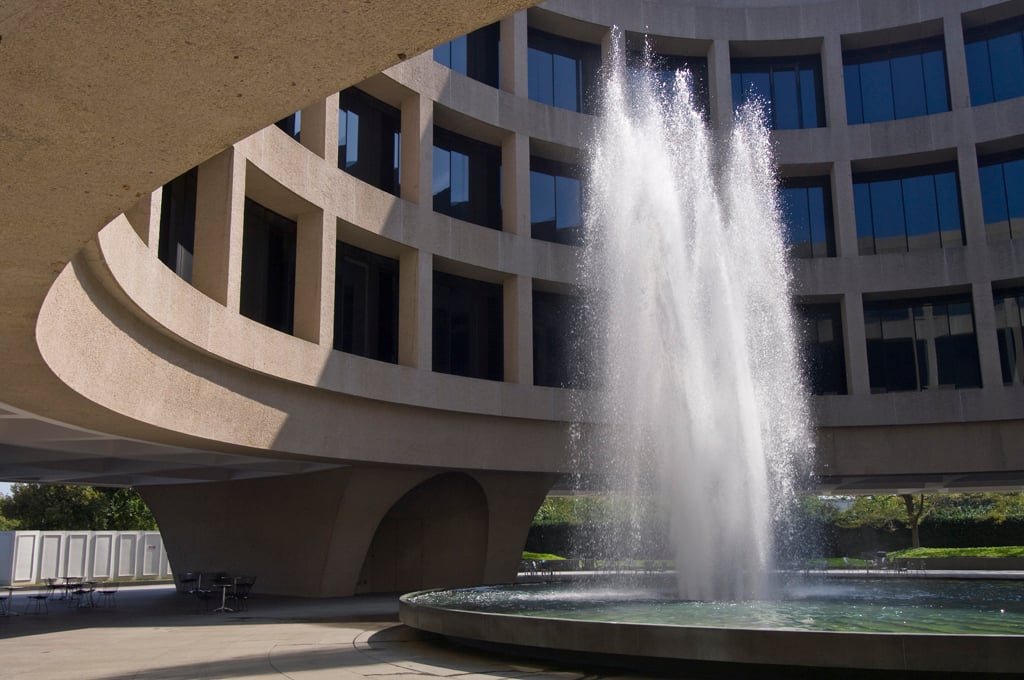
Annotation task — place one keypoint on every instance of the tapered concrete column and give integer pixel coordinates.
(845, 219)
(856, 349)
(417, 169)
(220, 214)
(512, 502)
(956, 62)
(720, 85)
(415, 309)
(518, 313)
(514, 62)
(315, 248)
(515, 184)
(985, 330)
(970, 194)
(832, 80)
(144, 217)
(320, 128)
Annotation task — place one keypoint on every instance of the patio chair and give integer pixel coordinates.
(241, 591)
(107, 592)
(82, 595)
(38, 600)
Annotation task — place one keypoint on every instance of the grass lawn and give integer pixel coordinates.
(540, 556)
(997, 551)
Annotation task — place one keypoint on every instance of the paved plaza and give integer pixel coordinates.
(154, 632)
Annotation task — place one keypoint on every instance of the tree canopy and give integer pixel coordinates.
(55, 507)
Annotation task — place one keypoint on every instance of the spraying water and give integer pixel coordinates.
(695, 337)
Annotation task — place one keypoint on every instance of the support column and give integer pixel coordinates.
(985, 334)
(315, 248)
(720, 85)
(417, 171)
(416, 309)
(518, 317)
(845, 218)
(514, 55)
(956, 62)
(220, 215)
(144, 217)
(970, 194)
(512, 502)
(832, 80)
(515, 187)
(856, 348)
(320, 128)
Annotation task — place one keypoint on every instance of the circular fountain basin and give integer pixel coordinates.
(884, 625)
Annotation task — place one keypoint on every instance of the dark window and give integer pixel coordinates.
(467, 179)
(475, 55)
(995, 61)
(555, 201)
(790, 89)
(921, 345)
(1009, 331)
(268, 267)
(366, 304)
(178, 223)
(908, 209)
(562, 72)
(824, 357)
(468, 327)
(292, 125)
(1002, 195)
(807, 214)
(369, 139)
(898, 81)
(664, 68)
(558, 355)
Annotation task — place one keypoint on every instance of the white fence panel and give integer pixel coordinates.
(32, 556)
(102, 554)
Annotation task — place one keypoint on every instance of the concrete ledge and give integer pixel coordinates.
(662, 643)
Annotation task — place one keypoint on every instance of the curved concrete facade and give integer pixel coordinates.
(121, 372)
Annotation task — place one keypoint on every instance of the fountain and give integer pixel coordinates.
(701, 388)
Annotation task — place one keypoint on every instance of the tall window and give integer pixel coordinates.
(562, 72)
(995, 61)
(467, 179)
(789, 88)
(921, 345)
(178, 223)
(807, 213)
(664, 68)
(1002, 195)
(555, 201)
(366, 304)
(824, 357)
(369, 139)
(468, 327)
(475, 55)
(898, 81)
(558, 357)
(1010, 331)
(291, 125)
(268, 267)
(908, 209)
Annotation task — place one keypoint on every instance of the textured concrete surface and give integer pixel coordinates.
(155, 632)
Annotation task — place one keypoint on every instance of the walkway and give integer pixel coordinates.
(155, 632)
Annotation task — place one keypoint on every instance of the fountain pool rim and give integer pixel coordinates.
(618, 643)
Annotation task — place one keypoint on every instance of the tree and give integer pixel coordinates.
(73, 507)
(916, 511)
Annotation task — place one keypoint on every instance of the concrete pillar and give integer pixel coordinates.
(514, 58)
(985, 332)
(416, 309)
(973, 214)
(956, 62)
(417, 171)
(220, 214)
(832, 80)
(720, 85)
(856, 348)
(512, 502)
(320, 128)
(845, 218)
(316, 243)
(515, 186)
(518, 316)
(144, 217)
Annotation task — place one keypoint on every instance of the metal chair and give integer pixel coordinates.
(240, 593)
(38, 600)
(107, 592)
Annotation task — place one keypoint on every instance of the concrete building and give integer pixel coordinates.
(349, 321)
